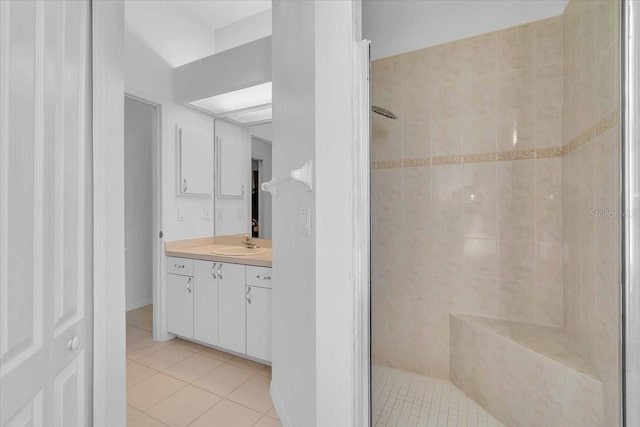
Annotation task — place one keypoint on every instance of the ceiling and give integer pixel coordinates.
(219, 13)
(182, 31)
(398, 26)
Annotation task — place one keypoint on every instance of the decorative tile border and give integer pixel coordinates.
(591, 133)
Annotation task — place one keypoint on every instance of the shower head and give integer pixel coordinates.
(383, 112)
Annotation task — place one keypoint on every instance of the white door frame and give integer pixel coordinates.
(109, 368)
(156, 167)
(630, 90)
(362, 236)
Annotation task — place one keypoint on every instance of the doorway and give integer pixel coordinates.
(260, 201)
(142, 182)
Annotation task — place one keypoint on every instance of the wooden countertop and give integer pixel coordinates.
(201, 249)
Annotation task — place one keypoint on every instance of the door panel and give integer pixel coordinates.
(45, 214)
(205, 302)
(180, 305)
(259, 322)
(30, 414)
(68, 386)
(232, 318)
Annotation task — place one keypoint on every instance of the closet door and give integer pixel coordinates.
(46, 235)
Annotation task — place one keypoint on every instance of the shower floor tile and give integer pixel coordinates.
(403, 398)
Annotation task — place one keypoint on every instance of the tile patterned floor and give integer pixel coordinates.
(406, 399)
(179, 383)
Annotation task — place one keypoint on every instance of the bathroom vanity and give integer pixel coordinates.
(219, 294)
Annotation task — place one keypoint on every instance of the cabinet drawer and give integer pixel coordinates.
(181, 266)
(259, 276)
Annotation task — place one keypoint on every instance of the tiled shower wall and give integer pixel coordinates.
(591, 189)
(467, 190)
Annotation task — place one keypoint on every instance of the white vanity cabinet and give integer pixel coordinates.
(221, 304)
(258, 307)
(232, 317)
(180, 297)
(205, 301)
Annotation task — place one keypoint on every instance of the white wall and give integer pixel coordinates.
(249, 29)
(264, 131)
(149, 77)
(401, 26)
(109, 364)
(173, 32)
(335, 35)
(313, 311)
(139, 125)
(293, 387)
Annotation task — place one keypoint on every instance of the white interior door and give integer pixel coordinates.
(45, 214)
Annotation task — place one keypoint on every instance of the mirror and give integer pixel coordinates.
(260, 202)
(195, 152)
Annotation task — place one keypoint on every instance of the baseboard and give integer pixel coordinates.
(138, 304)
(285, 420)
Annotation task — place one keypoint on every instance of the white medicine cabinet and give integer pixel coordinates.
(233, 145)
(195, 158)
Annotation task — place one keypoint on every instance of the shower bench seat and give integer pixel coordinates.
(524, 374)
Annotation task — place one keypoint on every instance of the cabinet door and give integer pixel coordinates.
(205, 302)
(180, 305)
(232, 321)
(258, 303)
(196, 161)
(233, 157)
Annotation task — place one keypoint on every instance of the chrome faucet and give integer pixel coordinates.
(248, 242)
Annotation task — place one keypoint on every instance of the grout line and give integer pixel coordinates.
(601, 126)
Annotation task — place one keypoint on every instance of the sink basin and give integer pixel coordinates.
(238, 251)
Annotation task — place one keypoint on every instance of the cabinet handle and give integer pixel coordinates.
(249, 294)
(242, 190)
(220, 271)
(259, 277)
(73, 343)
(213, 270)
(178, 265)
(189, 285)
(184, 185)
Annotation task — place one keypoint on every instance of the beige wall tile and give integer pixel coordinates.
(446, 62)
(548, 35)
(516, 128)
(515, 48)
(510, 239)
(479, 56)
(582, 394)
